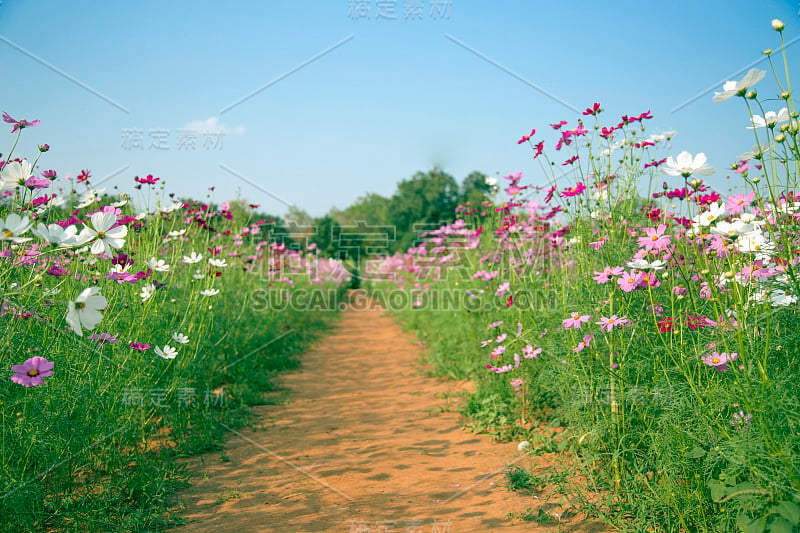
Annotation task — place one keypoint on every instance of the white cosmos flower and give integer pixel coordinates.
(210, 292)
(198, 275)
(119, 269)
(193, 258)
(180, 338)
(14, 226)
(780, 298)
(53, 233)
(755, 243)
(770, 119)
(15, 174)
(86, 310)
(121, 202)
(176, 234)
(491, 182)
(732, 229)
(685, 165)
(58, 201)
(159, 265)
(147, 292)
(705, 219)
(643, 264)
(219, 263)
(168, 352)
(731, 88)
(87, 199)
(106, 237)
(52, 291)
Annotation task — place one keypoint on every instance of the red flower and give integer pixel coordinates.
(526, 138)
(573, 191)
(150, 180)
(606, 133)
(83, 176)
(558, 126)
(655, 163)
(594, 110)
(570, 161)
(539, 148)
(665, 325)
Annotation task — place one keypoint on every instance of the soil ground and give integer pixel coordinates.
(366, 443)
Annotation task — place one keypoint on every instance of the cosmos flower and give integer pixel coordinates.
(86, 310)
(685, 165)
(32, 371)
(168, 352)
(14, 226)
(106, 237)
(739, 88)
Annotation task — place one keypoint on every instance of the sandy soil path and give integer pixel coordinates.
(367, 444)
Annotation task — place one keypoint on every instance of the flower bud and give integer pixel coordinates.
(44, 147)
(779, 138)
(777, 25)
(768, 52)
(751, 94)
(786, 95)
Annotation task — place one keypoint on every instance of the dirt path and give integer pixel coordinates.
(366, 444)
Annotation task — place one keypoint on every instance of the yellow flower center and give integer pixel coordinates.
(80, 305)
(715, 360)
(8, 233)
(101, 235)
(33, 372)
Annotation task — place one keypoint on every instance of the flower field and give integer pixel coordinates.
(130, 340)
(612, 313)
(632, 315)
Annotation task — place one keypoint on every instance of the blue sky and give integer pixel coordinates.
(397, 97)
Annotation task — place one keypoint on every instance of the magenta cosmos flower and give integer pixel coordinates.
(18, 124)
(575, 320)
(31, 372)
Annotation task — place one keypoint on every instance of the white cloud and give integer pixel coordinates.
(214, 126)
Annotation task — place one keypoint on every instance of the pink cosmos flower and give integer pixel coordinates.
(584, 343)
(497, 352)
(629, 280)
(608, 324)
(18, 124)
(495, 324)
(501, 338)
(655, 239)
(720, 360)
(529, 353)
(575, 320)
(33, 370)
(736, 203)
(519, 329)
(503, 288)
